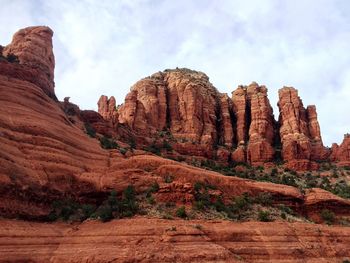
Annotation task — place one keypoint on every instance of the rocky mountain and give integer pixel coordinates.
(61, 164)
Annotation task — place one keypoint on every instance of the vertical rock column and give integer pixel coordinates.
(261, 129)
(299, 131)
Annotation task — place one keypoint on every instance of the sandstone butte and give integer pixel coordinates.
(46, 155)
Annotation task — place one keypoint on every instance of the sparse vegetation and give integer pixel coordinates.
(328, 216)
(112, 207)
(264, 216)
(181, 212)
(168, 178)
(89, 130)
(107, 143)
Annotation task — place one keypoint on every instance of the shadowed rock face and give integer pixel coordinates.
(341, 153)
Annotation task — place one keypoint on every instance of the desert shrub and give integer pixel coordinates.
(123, 151)
(152, 189)
(151, 200)
(88, 210)
(264, 216)
(167, 216)
(132, 143)
(168, 178)
(181, 212)
(342, 189)
(263, 199)
(328, 216)
(107, 143)
(129, 204)
(105, 213)
(219, 205)
(89, 130)
(274, 172)
(167, 146)
(63, 209)
(12, 58)
(289, 180)
(286, 209)
(283, 215)
(153, 148)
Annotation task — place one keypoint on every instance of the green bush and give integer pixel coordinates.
(263, 199)
(167, 146)
(89, 130)
(181, 212)
(168, 178)
(264, 216)
(12, 58)
(328, 216)
(88, 210)
(283, 215)
(105, 213)
(107, 143)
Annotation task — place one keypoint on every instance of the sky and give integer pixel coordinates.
(104, 47)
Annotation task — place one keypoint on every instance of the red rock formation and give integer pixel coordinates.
(33, 47)
(145, 106)
(226, 135)
(255, 122)
(156, 240)
(107, 109)
(341, 154)
(180, 100)
(299, 131)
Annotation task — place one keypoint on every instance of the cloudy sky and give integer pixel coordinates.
(103, 47)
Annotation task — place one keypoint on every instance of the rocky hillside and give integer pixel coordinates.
(60, 164)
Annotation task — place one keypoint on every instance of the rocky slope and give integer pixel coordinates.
(152, 240)
(51, 151)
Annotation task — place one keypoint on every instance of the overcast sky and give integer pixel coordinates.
(104, 47)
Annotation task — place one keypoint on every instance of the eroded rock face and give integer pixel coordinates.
(107, 109)
(181, 101)
(33, 47)
(341, 153)
(255, 122)
(299, 131)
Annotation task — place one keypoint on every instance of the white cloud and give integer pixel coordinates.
(103, 47)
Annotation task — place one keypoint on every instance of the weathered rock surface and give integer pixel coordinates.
(299, 132)
(181, 100)
(33, 47)
(341, 153)
(155, 240)
(107, 109)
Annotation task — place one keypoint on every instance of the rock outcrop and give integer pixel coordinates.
(107, 109)
(299, 132)
(341, 153)
(181, 101)
(33, 47)
(255, 123)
